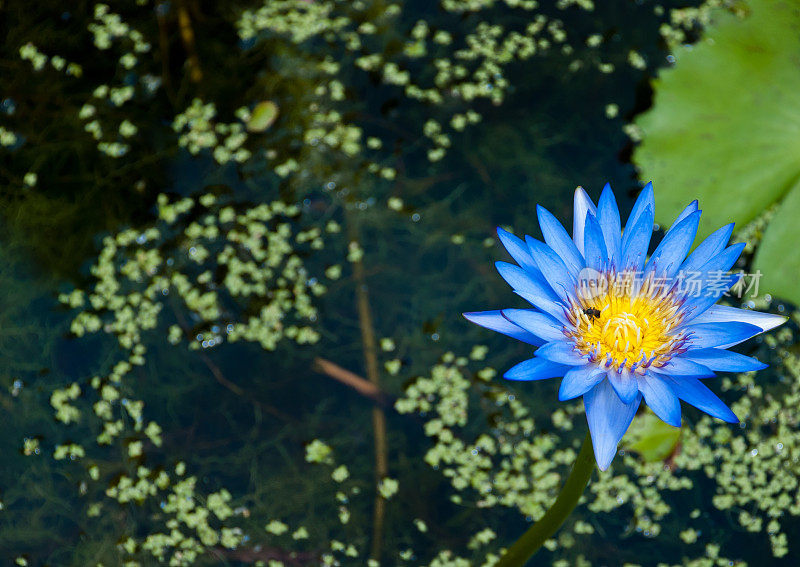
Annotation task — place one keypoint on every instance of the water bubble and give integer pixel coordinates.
(754, 453)
(141, 239)
(415, 217)
(165, 291)
(170, 261)
(330, 186)
(215, 329)
(670, 59)
(8, 106)
(192, 250)
(246, 44)
(199, 337)
(435, 336)
(229, 328)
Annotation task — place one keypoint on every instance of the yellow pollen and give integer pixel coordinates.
(618, 326)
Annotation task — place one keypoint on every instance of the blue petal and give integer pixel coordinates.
(608, 217)
(661, 399)
(724, 313)
(723, 360)
(539, 324)
(624, 384)
(705, 335)
(645, 200)
(553, 268)
(532, 288)
(723, 261)
(522, 280)
(711, 276)
(670, 253)
(713, 287)
(518, 249)
(700, 284)
(692, 207)
(608, 419)
(557, 238)
(582, 206)
(552, 308)
(707, 249)
(595, 246)
(681, 366)
(562, 352)
(579, 380)
(694, 392)
(636, 241)
(535, 369)
(495, 321)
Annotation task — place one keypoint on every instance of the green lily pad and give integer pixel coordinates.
(725, 129)
(263, 116)
(653, 439)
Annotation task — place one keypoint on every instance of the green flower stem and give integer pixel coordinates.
(530, 542)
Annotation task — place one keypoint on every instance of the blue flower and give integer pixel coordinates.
(620, 327)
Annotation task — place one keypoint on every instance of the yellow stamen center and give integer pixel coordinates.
(619, 326)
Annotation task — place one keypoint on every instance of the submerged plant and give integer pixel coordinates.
(620, 327)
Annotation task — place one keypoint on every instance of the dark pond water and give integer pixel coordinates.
(239, 416)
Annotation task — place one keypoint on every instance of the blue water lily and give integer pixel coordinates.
(619, 326)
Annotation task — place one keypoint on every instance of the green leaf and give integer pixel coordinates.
(264, 115)
(653, 439)
(725, 129)
(778, 255)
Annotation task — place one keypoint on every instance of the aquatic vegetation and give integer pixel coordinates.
(203, 265)
(619, 326)
(220, 263)
(734, 149)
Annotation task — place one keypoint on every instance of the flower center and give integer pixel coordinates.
(620, 323)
